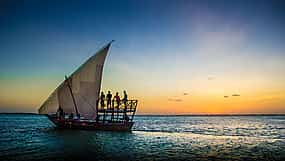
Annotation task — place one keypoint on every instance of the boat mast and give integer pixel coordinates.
(70, 89)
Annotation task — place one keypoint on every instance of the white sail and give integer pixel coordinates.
(85, 84)
(51, 104)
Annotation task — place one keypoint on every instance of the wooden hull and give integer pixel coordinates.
(91, 125)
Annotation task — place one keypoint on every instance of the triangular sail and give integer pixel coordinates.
(85, 85)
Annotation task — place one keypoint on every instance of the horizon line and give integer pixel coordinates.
(169, 115)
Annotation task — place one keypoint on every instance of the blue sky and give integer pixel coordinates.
(162, 47)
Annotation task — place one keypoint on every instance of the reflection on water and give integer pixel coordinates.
(33, 137)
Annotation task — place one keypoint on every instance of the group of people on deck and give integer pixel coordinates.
(108, 98)
(110, 101)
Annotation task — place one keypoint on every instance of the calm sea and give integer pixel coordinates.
(33, 137)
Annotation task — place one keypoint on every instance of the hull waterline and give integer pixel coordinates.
(91, 125)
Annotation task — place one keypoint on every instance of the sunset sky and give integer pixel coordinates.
(175, 57)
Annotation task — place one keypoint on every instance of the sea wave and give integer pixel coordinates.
(217, 126)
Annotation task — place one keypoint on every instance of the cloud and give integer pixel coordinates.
(226, 96)
(211, 78)
(185, 94)
(175, 100)
(235, 95)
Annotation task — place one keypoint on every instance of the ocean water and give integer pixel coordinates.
(33, 137)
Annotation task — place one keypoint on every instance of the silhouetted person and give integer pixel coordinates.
(117, 99)
(109, 98)
(113, 102)
(60, 112)
(71, 115)
(102, 99)
(125, 99)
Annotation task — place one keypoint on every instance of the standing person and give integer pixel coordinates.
(60, 112)
(117, 99)
(125, 99)
(109, 98)
(102, 99)
(113, 101)
(71, 116)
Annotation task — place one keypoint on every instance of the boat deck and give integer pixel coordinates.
(124, 111)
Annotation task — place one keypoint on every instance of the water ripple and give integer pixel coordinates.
(33, 137)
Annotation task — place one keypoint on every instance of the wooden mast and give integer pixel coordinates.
(70, 89)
